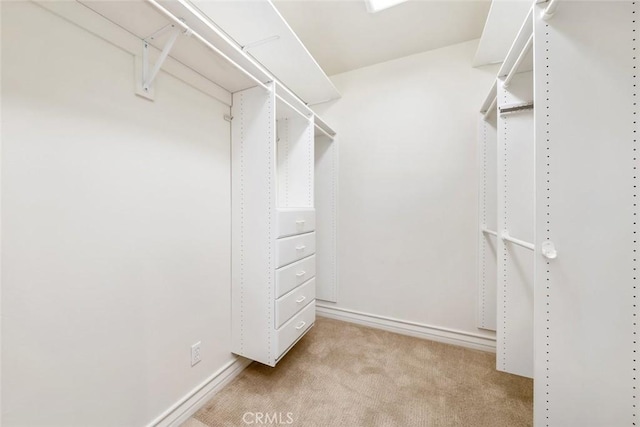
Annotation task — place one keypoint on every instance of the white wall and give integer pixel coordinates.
(408, 187)
(115, 231)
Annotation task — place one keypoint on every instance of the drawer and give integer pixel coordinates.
(295, 221)
(294, 301)
(295, 328)
(293, 275)
(291, 249)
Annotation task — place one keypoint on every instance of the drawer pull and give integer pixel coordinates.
(301, 273)
(302, 298)
(300, 222)
(301, 325)
(300, 248)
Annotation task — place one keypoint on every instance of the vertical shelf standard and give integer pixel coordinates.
(326, 202)
(488, 218)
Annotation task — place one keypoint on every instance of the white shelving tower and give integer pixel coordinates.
(273, 238)
(567, 228)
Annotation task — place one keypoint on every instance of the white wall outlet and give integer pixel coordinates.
(195, 354)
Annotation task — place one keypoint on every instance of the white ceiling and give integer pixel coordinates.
(341, 35)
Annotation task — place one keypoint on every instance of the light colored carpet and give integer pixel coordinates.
(345, 375)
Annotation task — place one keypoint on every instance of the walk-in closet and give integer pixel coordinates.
(311, 213)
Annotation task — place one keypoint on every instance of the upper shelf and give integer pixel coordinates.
(263, 33)
(205, 57)
(501, 27)
(141, 18)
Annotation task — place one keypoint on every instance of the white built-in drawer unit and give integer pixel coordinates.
(293, 275)
(291, 249)
(291, 331)
(295, 221)
(273, 238)
(291, 303)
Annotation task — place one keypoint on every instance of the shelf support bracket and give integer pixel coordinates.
(145, 74)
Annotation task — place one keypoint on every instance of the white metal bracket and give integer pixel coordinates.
(145, 75)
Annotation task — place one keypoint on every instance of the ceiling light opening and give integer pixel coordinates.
(374, 6)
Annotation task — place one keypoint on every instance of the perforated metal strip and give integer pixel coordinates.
(270, 148)
(483, 244)
(242, 225)
(545, 112)
(505, 288)
(310, 156)
(635, 113)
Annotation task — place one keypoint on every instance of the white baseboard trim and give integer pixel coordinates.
(433, 333)
(196, 399)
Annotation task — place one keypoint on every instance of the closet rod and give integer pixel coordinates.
(324, 132)
(516, 65)
(293, 95)
(293, 108)
(492, 106)
(514, 108)
(550, 10)
(203, 40)
(506, 237)
(491, 232)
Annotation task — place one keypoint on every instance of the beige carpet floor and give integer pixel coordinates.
(345, 375)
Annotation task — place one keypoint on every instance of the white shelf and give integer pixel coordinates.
(208, 60)
(266, 36)
(500, 29)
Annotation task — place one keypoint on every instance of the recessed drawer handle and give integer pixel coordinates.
(300, 248)
(300, 222)
(299, 300)
(301, 325)
(301, 273)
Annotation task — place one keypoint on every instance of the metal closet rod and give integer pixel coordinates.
(514, 108)
(516, 65)
(507, 238)
(204, 41)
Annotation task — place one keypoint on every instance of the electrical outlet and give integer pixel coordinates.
(195, 354)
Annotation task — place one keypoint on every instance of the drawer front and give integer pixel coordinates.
(294, 275)
(291, 249)
(296, 327)
(294, 301)
(292, 222)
